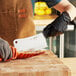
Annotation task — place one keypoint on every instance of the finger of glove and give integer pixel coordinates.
(49, 31)
(10, 55)
(7, 51)
(2, 53)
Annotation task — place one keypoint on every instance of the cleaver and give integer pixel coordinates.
(33, 43)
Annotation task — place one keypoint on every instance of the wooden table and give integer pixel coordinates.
(71, 63)
(46, 64)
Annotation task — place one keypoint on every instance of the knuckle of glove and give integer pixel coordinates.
(62, 21)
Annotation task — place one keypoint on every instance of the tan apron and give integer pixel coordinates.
(16, 19)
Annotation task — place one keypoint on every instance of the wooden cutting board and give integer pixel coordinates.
(71, 63)
(42, 65)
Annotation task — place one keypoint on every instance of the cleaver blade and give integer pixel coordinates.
(33, 43)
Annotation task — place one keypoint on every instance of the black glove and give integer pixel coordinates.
(5, 50)
(58, 26)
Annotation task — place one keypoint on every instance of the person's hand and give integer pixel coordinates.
(5, 50)
(58, 26)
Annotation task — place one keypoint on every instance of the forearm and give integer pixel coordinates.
(65, 5)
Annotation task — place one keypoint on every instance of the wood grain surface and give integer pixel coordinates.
(71, 63)
(42, 65)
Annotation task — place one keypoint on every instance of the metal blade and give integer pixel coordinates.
(33, 43)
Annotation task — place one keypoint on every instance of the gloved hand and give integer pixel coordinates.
(22, 55)
(5, 50)
(58, 26)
